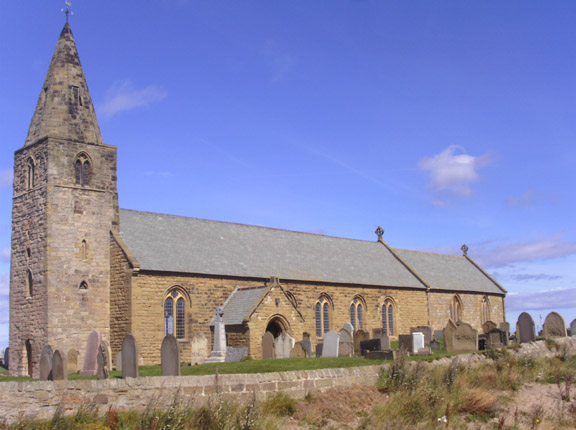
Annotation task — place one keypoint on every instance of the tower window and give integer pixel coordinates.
(175, 314)
(82, 170)
(30, 170)
(29, 283)
(84, 250)
(83, 285)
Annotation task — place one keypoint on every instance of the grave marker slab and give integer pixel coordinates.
(298, 351)
(380, 355)
(46, 363)
(198, 348)
(349, 328)
(488, 326)
(7, 358)
(505, 327)
(424, 351)
(103, 371)
(170, 356)
(331, 344)
(449, 335)
(119, 361)
(384, 342)
(405, 342)
(346, 347)
(435, 345)
(359, 336)
(59, 366)
(438, 334)
(72, 361)
(554, 325)
(307, 345)
(90, 365)
(267, 346)
(370, 345)
(525, 328)
(319, 348)
(417, 341)
(573, 328)
(464, 338)
(283, 345)
(235, 354)
(495, 338)
(425, 330)
(129, 358)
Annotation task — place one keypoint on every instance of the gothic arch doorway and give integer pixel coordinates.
(277, 325)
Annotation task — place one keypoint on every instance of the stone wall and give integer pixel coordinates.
(471, 308)
(41, 399)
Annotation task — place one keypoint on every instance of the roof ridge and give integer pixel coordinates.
(427, 252)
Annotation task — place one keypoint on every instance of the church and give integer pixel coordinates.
(79, 263)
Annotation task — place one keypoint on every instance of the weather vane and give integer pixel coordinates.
(67, 11)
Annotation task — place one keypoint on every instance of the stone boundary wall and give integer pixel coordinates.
(41, 399)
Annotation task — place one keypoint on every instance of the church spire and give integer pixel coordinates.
(64, 108)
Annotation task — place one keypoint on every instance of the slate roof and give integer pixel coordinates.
(240, 302)
(190, 245)
(449, 272)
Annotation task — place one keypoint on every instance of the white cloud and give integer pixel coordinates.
(525, 277)
(452, 172)
(6, 176)
(5, 255)
(123, 97)
(558, 298)
(530, 198)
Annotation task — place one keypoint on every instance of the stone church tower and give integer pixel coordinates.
(65, 206)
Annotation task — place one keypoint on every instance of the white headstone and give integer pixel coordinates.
(218, 354)
(417, 341)
(198, 348)
(283, 345)
(331, 344)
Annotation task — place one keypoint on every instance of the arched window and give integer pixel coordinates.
(29, 283)
(83, 285)
(175, 314)
(322, 311)
(485, 310)
(357, 313)
(82, 170)
(456, 309)
(388, 318)
(30, 168)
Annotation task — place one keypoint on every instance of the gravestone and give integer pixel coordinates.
(505, 327)
(307, 345)
(349, 328)
(525, 328)
(417, 341)
(107, 351)
(573, 328)
(72, 361)
(449, 335)
(359, 336)
(268, 345)
(554, 326)
(384, 342)
(119, 361)
(370, 345)
(170, 356)
(435, 345)
(495, 338)
(7, 358)
(46, 363)
(405, 342)
(283, 344)
(59, 366)
(331, 344)
(129, 357)
(438, 334)
(464, 338)
(298, 351)
(102, 371)
(235, 354)
(319, 348)
(488, 326)
(346, 347)
(425, 330)
(380, 355)
(198, 348)
(90, 365)
(424, 351)
(377, 332)
(218, 354)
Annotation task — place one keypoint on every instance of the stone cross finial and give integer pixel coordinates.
(464, 249)
(67, 11)
(220, 311)
(379, 232)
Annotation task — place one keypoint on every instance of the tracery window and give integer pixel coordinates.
(388, 318)
(30, 170)
(322, 311)
(456, 309)
(357, 313)
(485, 310)
(175, 314)
(82, 170)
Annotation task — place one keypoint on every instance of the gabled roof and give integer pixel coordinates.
(189, 245)
(240, 303)
(450, 272)
(64, 108)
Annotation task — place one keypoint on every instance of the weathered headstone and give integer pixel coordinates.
(218, 354)
(370, 345)
(359, 336)
(488, 326)
(59, 366)
(417, 341)
(377, 332)
(331, 344)
(107, 351)
(438, 334)
(554, 325)
(198, 348)
(307, 345)
(380, 355)
(573, 328)
(46, 363)
(424, 351)
(72, 361)
(170, 356)
(435, 345)
(405, 342)
(119, 361)
(495, 338)
(425, 330)
(90, 365)
(129, 357)
(299, 351)
(268, 345)
(525, 328)
(464, 338)
(349, 328)
(235, 354)
(283, 345)
(102, 371)
(505, 327)
(449, 335)
(384, 342)
(346, 347)
(319, 348)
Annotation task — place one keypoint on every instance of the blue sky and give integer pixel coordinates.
(445, 122)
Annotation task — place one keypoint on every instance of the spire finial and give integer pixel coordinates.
(67, 11)
(379, 232)
(464, 249)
